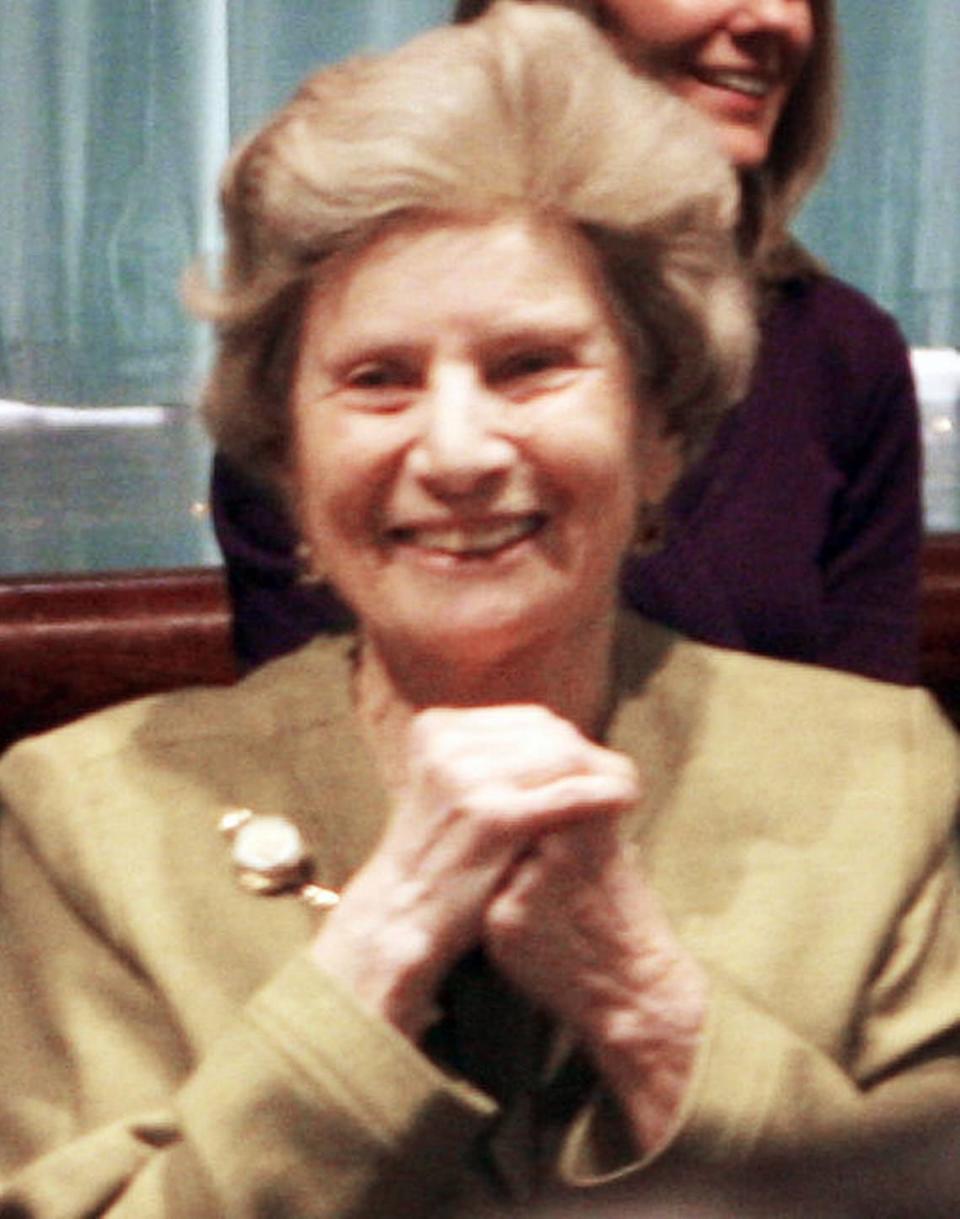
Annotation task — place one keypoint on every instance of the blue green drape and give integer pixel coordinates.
(887, 217)
(116, 114)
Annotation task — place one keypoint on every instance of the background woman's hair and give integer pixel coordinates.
(527, 110)
(799, 152)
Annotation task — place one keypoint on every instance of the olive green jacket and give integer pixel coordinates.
(168, 1049)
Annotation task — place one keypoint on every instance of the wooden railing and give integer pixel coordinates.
(72, 644)
(940, 620)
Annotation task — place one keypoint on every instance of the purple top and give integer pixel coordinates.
(797, 536)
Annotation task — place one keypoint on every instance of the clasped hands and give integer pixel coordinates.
(506, 834)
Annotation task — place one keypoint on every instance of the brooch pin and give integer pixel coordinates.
(270, 858)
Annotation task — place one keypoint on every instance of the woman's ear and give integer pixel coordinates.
(286, 486)
(661, 462)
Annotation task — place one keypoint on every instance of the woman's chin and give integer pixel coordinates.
(471, 636)
(521, 602)
(472, 632)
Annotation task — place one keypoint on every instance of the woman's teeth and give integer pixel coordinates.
(739, 82)
(471, 539)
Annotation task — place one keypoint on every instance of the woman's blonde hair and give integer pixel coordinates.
(799, 151)
(519, 112)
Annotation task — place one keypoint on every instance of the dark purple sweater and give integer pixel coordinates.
(798, 535)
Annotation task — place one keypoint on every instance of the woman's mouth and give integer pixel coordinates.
(749, 84)
(469, 539)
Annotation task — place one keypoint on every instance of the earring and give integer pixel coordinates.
(309, 574)
(650, 532)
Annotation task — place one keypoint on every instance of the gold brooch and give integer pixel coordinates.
(270, 858)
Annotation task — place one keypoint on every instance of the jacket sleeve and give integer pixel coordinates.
(764, 1092)
(763, 1095)
(305, 1106)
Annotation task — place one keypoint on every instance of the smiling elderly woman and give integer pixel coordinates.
(557, 896)
(817, 471)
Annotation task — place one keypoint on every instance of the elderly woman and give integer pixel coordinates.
(798, 535)
(534, 895)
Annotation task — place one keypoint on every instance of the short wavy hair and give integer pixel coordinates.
(519, 112)
(799, 151)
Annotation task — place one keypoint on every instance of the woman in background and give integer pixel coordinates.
(799, 536)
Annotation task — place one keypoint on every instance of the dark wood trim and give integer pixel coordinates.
(72, 644)
(940, 605)
(940, 620)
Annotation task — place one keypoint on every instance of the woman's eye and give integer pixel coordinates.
(378, 376)
(378, 385)
(531, 365)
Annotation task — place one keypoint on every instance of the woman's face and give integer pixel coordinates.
(735, 60)
(469, 451)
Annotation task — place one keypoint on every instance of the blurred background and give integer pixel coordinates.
(114, 121)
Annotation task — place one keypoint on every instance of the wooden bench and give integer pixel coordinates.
(72, 644)
(940, 621)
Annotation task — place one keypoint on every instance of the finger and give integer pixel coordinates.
(530, 749)
(508, 808)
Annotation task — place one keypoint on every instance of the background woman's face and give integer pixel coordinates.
(470, 452)
(736, 61)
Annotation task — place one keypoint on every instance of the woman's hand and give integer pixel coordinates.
(576, 929)
(483, 787)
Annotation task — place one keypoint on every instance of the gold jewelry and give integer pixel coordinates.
(650, 531)
(308, 574)
(270, 858)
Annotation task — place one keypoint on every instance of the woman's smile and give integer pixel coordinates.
(754, 85)
(469, 539)
(736, 80)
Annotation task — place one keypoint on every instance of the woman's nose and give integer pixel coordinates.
(460, 447)
(782, 16)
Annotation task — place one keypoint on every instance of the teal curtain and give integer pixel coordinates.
(275, 43)
(887, 217)
(104, 142)
(116, 114)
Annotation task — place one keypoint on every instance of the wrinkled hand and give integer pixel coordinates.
(576, 928)
(483, 786)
